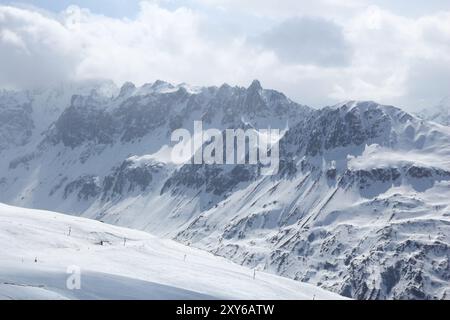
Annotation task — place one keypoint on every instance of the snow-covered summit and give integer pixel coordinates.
(359, 206)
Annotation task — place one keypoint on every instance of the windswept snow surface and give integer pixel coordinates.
(37, 250)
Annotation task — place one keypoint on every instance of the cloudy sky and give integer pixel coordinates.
(317, 52)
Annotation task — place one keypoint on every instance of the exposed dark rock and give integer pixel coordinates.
(86, 187)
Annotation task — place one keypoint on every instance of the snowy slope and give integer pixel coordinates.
(439, 113)
(146, 267)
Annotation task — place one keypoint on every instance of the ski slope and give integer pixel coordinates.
(118, 263)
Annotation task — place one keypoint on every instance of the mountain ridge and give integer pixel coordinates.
(350, 210)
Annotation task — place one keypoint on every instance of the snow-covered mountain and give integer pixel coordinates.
(119, 263)
(360, 205)
(439, 113)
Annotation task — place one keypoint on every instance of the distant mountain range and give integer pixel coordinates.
(360, 205)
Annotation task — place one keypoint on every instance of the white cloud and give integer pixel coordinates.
(306, 40)
(289, 8)
(388, 49)
(364, 53)
(34, 48)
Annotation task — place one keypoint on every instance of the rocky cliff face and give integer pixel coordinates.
(359, 206)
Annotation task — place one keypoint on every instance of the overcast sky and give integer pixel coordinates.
(317, 52)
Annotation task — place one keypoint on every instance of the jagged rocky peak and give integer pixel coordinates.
(267, 103)
(352, 124)
(254, 98)
(372, 109)
(255, 86)
(159, 84)
(127, 89)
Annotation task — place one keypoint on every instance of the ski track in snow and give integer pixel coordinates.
(146, 267)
